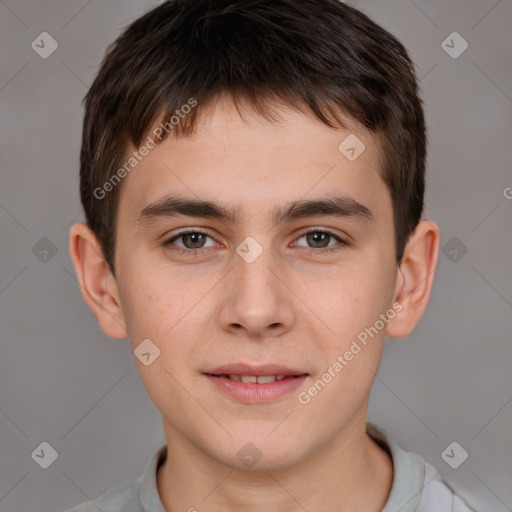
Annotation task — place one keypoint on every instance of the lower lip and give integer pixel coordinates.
(254, 393)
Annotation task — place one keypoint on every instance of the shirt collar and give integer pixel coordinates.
(408, 473)
(406, 489)
(149, 497)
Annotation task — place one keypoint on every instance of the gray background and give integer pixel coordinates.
(64, 382)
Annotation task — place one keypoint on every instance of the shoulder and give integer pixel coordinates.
(136, 496)
(438, 496)
(417, 486)
(125, 497)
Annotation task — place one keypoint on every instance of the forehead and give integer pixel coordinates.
(254, 165)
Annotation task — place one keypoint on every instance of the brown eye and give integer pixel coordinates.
(318, 239)
(190, 240)
(193, 240)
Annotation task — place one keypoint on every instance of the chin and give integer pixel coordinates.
(255, 453)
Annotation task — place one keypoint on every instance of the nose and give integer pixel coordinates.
(256, 299)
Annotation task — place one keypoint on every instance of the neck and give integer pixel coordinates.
(350, 473)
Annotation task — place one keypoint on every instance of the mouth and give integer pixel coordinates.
(256, 384)
(255, 379)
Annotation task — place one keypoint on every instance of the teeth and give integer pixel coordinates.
(251, 379)
(265, 379)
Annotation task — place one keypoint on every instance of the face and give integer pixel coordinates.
(254, 287)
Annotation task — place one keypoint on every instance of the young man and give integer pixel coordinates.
(252, 174)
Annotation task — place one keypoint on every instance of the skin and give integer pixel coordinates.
(290, 306)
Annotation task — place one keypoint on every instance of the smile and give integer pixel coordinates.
(255, 389)
(260, 379)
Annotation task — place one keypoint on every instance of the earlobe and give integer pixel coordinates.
(415, 278)
(97, 284)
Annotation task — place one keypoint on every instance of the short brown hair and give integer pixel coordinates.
(320, 56)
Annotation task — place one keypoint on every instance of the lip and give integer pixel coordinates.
(254, 393)
(255, 370)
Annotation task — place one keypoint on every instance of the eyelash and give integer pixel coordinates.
(313, 251)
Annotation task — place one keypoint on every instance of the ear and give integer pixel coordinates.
(97, 284)
(414, 278)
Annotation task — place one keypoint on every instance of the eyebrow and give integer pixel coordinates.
(336, 206)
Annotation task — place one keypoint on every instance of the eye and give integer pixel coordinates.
(318, 240)
(321, 241)
(190, 240)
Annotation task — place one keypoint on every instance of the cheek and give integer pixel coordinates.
(154, 312)
(351, 298)
(165, 312)
(145, 302)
